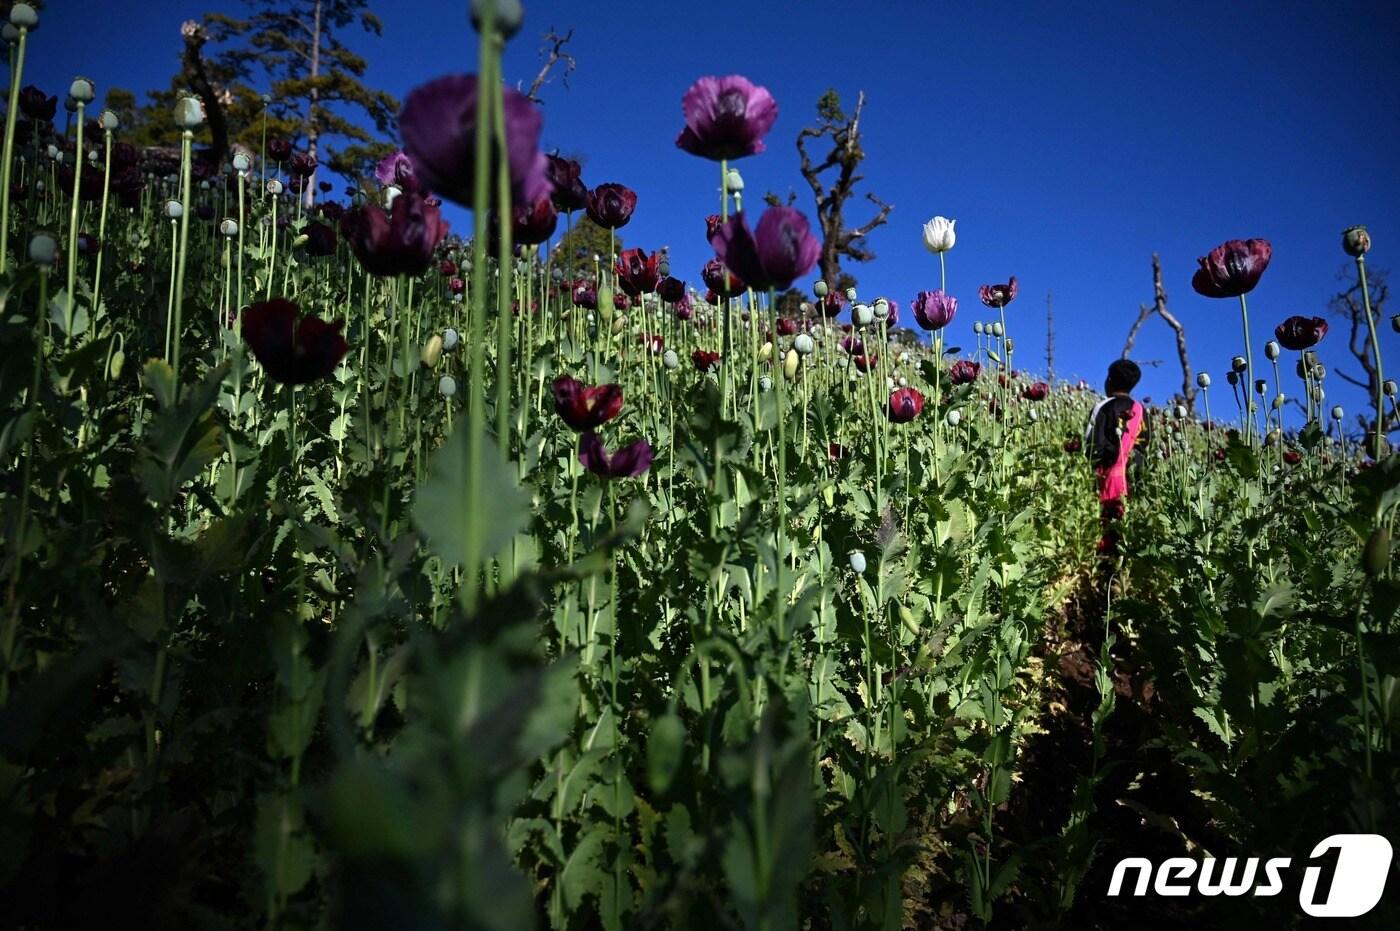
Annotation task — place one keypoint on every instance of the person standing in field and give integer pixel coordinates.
(1113, 434)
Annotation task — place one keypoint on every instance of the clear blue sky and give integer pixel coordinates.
(1069, 140)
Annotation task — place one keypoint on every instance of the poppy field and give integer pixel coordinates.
(363, 572)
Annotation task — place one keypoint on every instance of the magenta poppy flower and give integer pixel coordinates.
(893, 319)
(399, 243)
(726, 117)
(396, 168)
(1036, 392)
(457, 285)
(610, 205)
(1232, 269)
(566, 178)
(905, 405)
(1299, 333)
(625, 462)
(774, 255)
(671, 289)
(721, 280)
(292, 349)
(934, 310)
(998, 295)
(637, 272)
(585, 294)
(964, 372)
(704, 359)
(438, 123)
(534, 224)
(585, 407)
(37, 105)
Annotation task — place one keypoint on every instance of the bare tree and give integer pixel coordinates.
(1050, 336)
(1348, 305)
(838, 239)
(554, 55)
(1159, 307)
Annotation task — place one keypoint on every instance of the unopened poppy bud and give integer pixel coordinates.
(903, 382)
(862, 315)
(1279, 401)
(1310, 357)
(52, 152)
(851, 294)
(619, 323)
(820, 289)
(266, 99)
(118, 360)
(1389, 387)
(791, 361)
(173, 209)
(1338, 413)
(857, 560)
(1375, 557)
(1261, 387)
(765, 352)
(189, 113)
(506, 16)
(803, 344)
(1356, 242)
(734, 181)
(1319, 372)
(228, 227)
(765, 384)
(23, 16)
(1032, 414)
(1203, 380)
(954, 417)
(274, 187)
(241, 161)
(109, 121)
(1271, 350)
(1273, 437)
(43, 249)
(82, 90)
(1238, 365)
(1010, 344)
(432, 351)
(450, 339)
(300, 241)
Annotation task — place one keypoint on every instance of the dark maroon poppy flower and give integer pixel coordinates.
(534, 225)
(721, 280)
(447, 268)
(1233, 268)
(1299, 333)
(865, 363)
(621, 301)
(37, 105)
(205, 212)
(585, 294)
(998, 295)
(853, 345)
(88, 244)
(457, 285)
(712, 226)
(905, 405)
(1292, 457)
(302, 165)
(786, 326)
(835, 451)
(610, 205)
(652, 342)
(292, 349)
(1073, 445)
(831, 305)
(279, 150)
(625, 462)
(704, 359)
(1036, 392)
(637, 272)
(964, 372)
(584, 407)
(671, 289)
(331, 210)
(684, 309)
(934, 310)
(438, 123)
(565, 178)
(774, 255)
(726, 117)
(320, 239)
(399, 243)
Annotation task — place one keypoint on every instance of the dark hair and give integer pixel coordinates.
(1123, 375)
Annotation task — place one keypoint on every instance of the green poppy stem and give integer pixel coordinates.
(1376, 357)
(10, 116)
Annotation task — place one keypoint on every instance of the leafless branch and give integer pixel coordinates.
(554, 54)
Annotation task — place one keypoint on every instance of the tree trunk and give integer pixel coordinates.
(308, 194)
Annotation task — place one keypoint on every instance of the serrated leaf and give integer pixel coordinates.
(450, 521)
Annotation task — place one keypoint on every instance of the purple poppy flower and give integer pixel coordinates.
(438, 122)
(934, 310)
(685, 310)
(781, 250)
(398, 243)
(1299, 333)
(721, 280)
(585, 294)
(396, 168)
(637, 272)
(625, 462)
(726, 117)
(1232, 269)
(998, 295)
(610, 205)
(565, 175)
(964, 372)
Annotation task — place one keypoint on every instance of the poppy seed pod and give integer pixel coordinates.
(803, 344)
(1271, 350)
(23, 16)
(447, 386)
(1232, 378)
(189, 112)
(118, 360)
(851, 294)
(507, 16)
(1261, 387)
(734, 181)
(9, 33)
(1356, 242)
(228, 227)
(1203, 380)
(857, 561)
(1338, 413)
(791, 361)
(274, 187)
(1273, 437)
(820, 289)
(1238, 365)
(954, 417)
(1319, 372)
(978, 328)
(450, 339)
(1389, 387)
(862, 315)
(882, 308)
(173, 209)
(43, 249)
(1395, 323)
(109, 121)
(1279, 401)
(670, 359)
(1033, 414)
(765, 384)
(82, 90)
(1010, 345)
(241, 162)
(432, 351)
(997, 328)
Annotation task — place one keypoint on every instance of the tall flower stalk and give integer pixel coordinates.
(15, 79)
